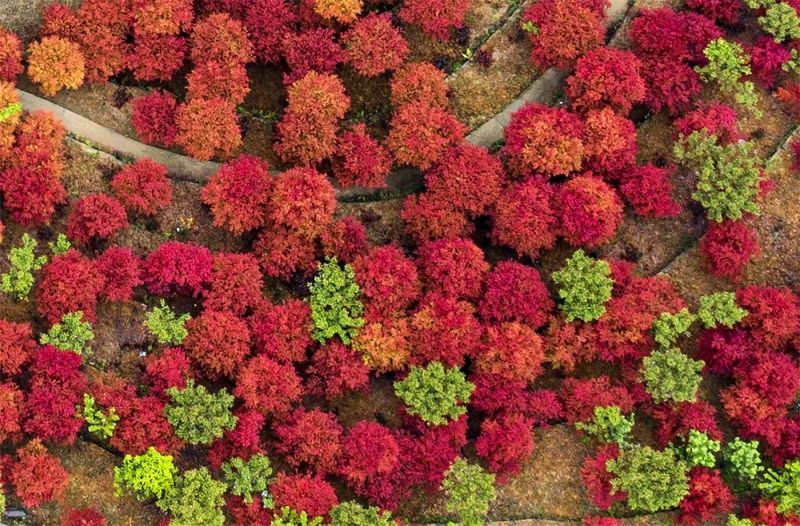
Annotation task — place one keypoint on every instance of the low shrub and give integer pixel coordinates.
(54, 64)
(435, 394)
(199, 417)
(143, 187)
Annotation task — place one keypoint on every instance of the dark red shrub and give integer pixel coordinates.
(143, 424)
(243, 441)
(37, 476)
(178, 268)
(206, 128)
(388, 280)
(601, 521)
(83, 517)
(648, 189)
(143, 187)
(345, 239)
(336, 370)
(677, 419)
(765, 512)
(302, 200)
(495, 395)
(30, 195)
(68, 283)
(515, 292)
(467, 178)
(581, 396)
(720, 11)
(435, 17)
(220, 38)
(708, 497)
(427, 218)
(268, 22)
(544, 140)
(368, 450)
(373, 45)
(95, 217)
(309, 439)
(361, 160)
(716, 119)
(246, 514)
(238, 194)
(282, 252)
(597, 479)
(452, 267)
(590, 211)
(674, 36)
(236, 283)
(156, 57)
(426, 452)
(773, 317)
(610, 145)
(444, 329)
(763, 390)
(216, 80)
(606, 76)
(504, 444)
(267, 386)
(724, 350)
(282, 332)
(170, 368)
(11, 56)
(727, 248)
(673, 85)
(16, 346)
(121, 270)
(311, 494)
(419, 82)
(565, 31)
(313, 49)
(524, 228)
(12, 405)
(512, 350)
(217, 342)
(420, 134)
(154, 118)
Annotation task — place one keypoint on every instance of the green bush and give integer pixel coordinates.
(743, 460)
(18, 281)
(654, 480)
(168, 328)
(671, 375)
(9, 111)
(733, 520)
(354, 514)
(71, 334)
(784, 486)
(99, 424)
(720, 308)
(608, 425)
(149, 475)
(727, 65)
(434, 393)
(336, 308)
(700, 450)
(289, 517)
(195, 499)
(667, 328)
(198, 416)
(584, 286)
(728, 176)
(468, 491)
(781, 21)
(60, 246)
(244, 478)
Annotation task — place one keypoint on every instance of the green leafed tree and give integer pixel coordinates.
(354, 514)
(720, 308)
(146, 476)
(670, 375)
(168, 328)
(18, 281)
(290, 517)
(781, 21)
(198, 416)
(98, 423)
(468, 491)
(336, 307)
(700, 449)
(668, 327)
(727, 64)
(70, 334)
(584, 286)
(435, 394)
(653, 480)
(784, 486)
(743, 460)
(247, 477)
(609, 425)
(195, 499)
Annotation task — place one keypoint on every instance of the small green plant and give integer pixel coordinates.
(168, 328)
(671, 375)
(733, 520)
(609, 425)
(728, 176)
(781, 21)
(195, 499)
(667, 328)
(468, 490)
(435, 394)
(727, 65)
(584, 286)
(70, 334)
(18, 281)
(9, 111)
(244, 478)
(99, 424)
(198, 416)
(529, 27)
(336, 308)
(700, 450)
(654, 480)
(60, 246)
(784, 486)
(354, 514)
(720, 308)
(743, 460)
(289, 517)
(149, 475)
